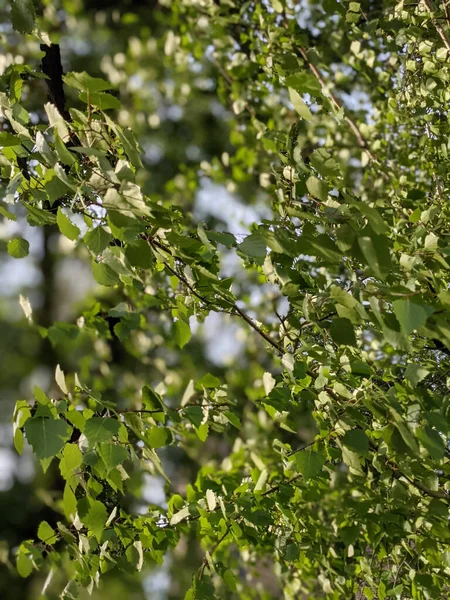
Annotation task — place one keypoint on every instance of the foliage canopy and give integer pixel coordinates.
(320, 452)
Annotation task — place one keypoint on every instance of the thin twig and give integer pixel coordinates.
(399, 473)
(216, 545)
(304, 447)
(275, 488)
(234, 309)
(431, 9)
(179, 409)
(256, 327)
(362, 142)
(446, 11)
(230, 82)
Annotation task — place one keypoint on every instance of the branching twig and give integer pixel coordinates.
(216, 545)
(362, 142)
(431, 9)
(424, 489)
(234, 309)
(397, 472)
(221, 405)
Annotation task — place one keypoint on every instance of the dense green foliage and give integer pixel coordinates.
(314, 461)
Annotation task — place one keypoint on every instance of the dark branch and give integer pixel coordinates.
(52, 67)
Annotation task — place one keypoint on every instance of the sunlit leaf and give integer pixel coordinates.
(18, 247)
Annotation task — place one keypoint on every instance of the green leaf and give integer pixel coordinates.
(71, 460)
(262, 480)
(300, 105)
(93, 515)
(131, 146)
(415, 374)
(202, 431)
(15, 90)
(323, 162)
(373, 216)
(352, 460)
(304, 83)
(104, 275)
(8, 139)
(278, 7)
(64, 155)
(112, 455)
(85, 83)
(100, 429)
(100, 100)
(375, 249)
(292, 552)
(18, 440)
(209, 381)
(211, 500)
(46, 436)
(268, 383)
(321, 246)
(59, 333)
(404, 431)
(254, 246)
(179, 516)
(135, 555)
(309, 463)
(157, 437)
(358, 367)
(232, 418)
(278, 241)
(288, 361)
(46, 533)
(357, 441)
(69, 502)
(342, 332)
(225, 238)
(24, 565)
(55, 188)
(202, 589)
(38, 216)
(128, 141)
(139, 254)
(317, 188)
(182, 333)
(61, 380)
(97, 240)
(153, 402)
(432, 441)
(66, 227)
(7, 214)
(229, 578)
(23, 15)
(411, 316)
(18, 247)
(128, 323)
(444, 297)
